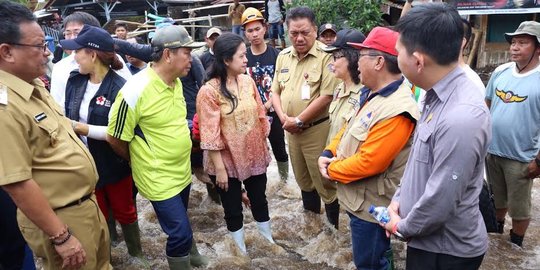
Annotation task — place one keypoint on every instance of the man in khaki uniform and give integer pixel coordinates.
(44, 167)
(302, 90)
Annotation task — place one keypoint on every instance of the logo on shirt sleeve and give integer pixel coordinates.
(509, 96)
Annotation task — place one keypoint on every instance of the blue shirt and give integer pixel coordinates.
(515, 110)
(438, 196)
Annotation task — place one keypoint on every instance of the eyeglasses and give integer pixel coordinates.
(42, 46)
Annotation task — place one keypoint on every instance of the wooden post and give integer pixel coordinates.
(475, 45)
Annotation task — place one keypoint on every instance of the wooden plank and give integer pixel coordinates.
(221, 5)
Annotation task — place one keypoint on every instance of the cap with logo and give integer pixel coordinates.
(327, 27)
(530, 28)
(380, 39)
(251, 15)
(173, 36)
(343, 37)
(90, 37)
(213, 30)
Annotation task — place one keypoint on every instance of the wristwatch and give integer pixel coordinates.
(537, 161)
(299, 122)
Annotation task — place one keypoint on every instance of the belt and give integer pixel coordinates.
(314, 123)
(76, 202)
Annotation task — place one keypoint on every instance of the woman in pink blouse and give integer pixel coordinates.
(233, 128)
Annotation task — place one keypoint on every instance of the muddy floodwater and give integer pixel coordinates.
(303, 240)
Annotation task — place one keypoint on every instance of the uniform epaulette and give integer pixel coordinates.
(286, 50)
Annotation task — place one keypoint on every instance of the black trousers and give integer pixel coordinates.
(12, 242)
(231, 200)
(277, 139)
(418, 259)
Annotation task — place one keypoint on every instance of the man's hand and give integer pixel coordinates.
(533, 170)
(72, 253)
(222, 179)
(393, 212)
(290, 125)
(323, 163)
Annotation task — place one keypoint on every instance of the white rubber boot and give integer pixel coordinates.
(238, 237)
(264, 229)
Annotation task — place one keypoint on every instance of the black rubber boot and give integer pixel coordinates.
(389, 254)
(332, 213)
(311, 201)
(516, 239)
(500, 226)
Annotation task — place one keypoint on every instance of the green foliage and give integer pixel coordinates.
(358, 14)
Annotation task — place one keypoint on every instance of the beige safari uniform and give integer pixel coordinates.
(38, 143)
(306, 147)
(342, 108)
(356, 197)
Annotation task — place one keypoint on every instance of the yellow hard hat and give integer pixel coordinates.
(251, 15)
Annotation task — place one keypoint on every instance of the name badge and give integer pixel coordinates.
(40, 117)
(306, 91)
(3, 95)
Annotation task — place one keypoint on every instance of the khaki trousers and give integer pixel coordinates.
(86, 223)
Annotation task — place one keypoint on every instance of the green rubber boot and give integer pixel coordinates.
(179, 263)
(283, 170)
(389, 254)
(196, 259)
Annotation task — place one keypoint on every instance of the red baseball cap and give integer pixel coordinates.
(381, 39)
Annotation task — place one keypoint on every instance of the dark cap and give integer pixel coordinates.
(344, 36)
(327, 26)
(90, 37)
(173, 36)
(381, 39)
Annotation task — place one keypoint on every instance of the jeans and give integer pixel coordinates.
(276, 31)
(232, 200)
(418, 259)
(277, 139)
(173, 219)
(369, 243)
(237, 29)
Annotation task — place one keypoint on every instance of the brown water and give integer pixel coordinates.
(304, 240)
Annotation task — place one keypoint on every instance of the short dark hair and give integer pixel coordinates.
(467, 31)
(82, 18)
(391, 63)
(435, 29)
(11, 16)
(301, 12)
(120, 24)
(157, 55)
(352, 56)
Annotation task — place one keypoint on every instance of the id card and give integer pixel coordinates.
(3, 95)
(306, 91)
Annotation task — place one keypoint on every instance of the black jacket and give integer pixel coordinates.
(111, 167)
(191, 83)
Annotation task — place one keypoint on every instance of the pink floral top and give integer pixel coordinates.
(240, 135)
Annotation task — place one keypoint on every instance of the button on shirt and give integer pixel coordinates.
(438, 198)
(37, 142)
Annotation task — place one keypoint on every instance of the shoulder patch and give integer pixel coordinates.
(286, 50)
(3, 94)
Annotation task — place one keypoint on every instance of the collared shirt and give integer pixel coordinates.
(60, 76)
(292, 73)
(342, 107)
(151, 117)
(438, 198)
(38, 143)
